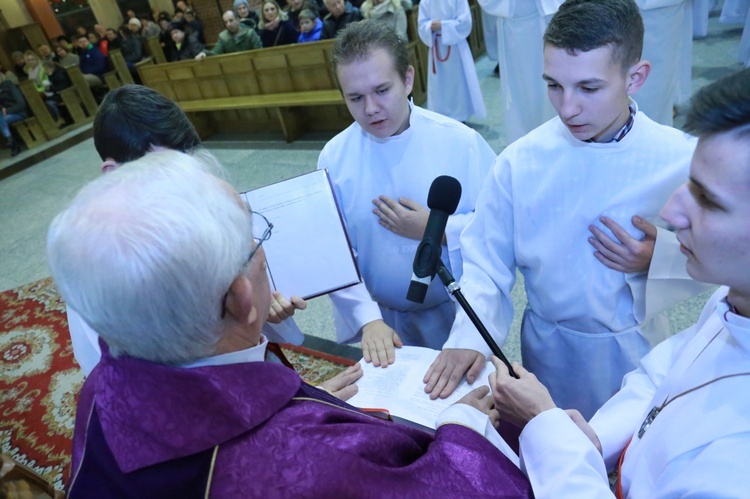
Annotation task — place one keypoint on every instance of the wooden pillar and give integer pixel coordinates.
(45, 17)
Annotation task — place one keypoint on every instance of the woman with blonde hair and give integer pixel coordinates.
(390, 12)
(275, 28)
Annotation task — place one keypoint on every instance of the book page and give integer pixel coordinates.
(308, 253)
(399, 387)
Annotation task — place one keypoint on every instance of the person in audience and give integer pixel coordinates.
(134, 26)
(247, 16)
(149, 28)
(194, 27)
(45, 53)
(310, 26)
(183, 47)
(12, 109)
(275, 28)
(383, 196)
(65, 42)
(19, 65)
(221, 421)
(295, 7)
(680, 425)
(65, 58)
(92, 62)
(115, 40)
(132, 121)
(340, 14)
(165, 38)
(81, 31)
(452, 83)
(131, 46)
(38, 76)
(235, 38)
(130, 14)
(101, 44)
(389, 12)
(58, 80)
(603, 162)
(9, 75)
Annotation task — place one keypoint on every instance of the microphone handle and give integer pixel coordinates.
(455, 290)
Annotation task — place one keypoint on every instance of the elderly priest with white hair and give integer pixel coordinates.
(164, 260)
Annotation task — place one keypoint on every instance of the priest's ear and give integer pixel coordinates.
(239, 304)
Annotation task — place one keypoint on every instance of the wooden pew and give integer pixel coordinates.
(124, 76)
(83, 90)
(290, 88)
(30, 132)
(39, 110)
(152, 48)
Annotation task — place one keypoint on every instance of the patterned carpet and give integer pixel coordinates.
(40, 379)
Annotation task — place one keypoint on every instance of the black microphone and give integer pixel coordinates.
(445, 193)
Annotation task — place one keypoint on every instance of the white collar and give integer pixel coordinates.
(252, 354)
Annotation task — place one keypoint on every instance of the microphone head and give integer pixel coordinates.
(445, 193)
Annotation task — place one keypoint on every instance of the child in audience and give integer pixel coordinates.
(310, 26)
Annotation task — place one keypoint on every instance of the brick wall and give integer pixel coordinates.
(209, 15)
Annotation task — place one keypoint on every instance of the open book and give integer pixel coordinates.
(308, 254)
(399, 387)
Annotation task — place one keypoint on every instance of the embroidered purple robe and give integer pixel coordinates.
(276, 436)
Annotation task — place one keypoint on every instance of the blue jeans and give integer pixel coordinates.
(7, 120)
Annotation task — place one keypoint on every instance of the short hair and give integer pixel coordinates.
(31, 53)
(359, 39)
(584, 25)
(722, 106)
(49, 66)
(170, 238)
(307, 14)
(133, 118)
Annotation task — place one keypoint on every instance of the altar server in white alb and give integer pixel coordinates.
(382, 167)
(666, 46)
(573, 183)
(452, 83)
(680, 425)
(520, 28)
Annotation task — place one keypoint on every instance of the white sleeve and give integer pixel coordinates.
(423, 25)
(354, 307)
(559, 460)
(457, 29)
(85, 342)
(487, 249)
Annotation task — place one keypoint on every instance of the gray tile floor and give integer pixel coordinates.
(30, 198)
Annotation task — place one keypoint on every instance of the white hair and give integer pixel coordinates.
(146, 253)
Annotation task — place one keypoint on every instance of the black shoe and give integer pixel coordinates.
(15, 149)
(497, 70)
(8, 143)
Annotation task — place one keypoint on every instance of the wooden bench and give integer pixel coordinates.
(30, 131)
(290, 88)
(38, 109)
(152, 48)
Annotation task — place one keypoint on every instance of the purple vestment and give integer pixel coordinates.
(277, 436)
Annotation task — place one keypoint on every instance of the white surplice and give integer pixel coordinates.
(452, 83)
(363, 167)
(697, 446)
(586, 326)
(520, 31)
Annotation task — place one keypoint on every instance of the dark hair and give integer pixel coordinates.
(359, 39)
(583, 25)
(722, 106)
(132, 118)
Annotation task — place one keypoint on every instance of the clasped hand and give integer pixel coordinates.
(627, 254)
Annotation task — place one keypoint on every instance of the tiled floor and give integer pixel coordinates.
(30, 198)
